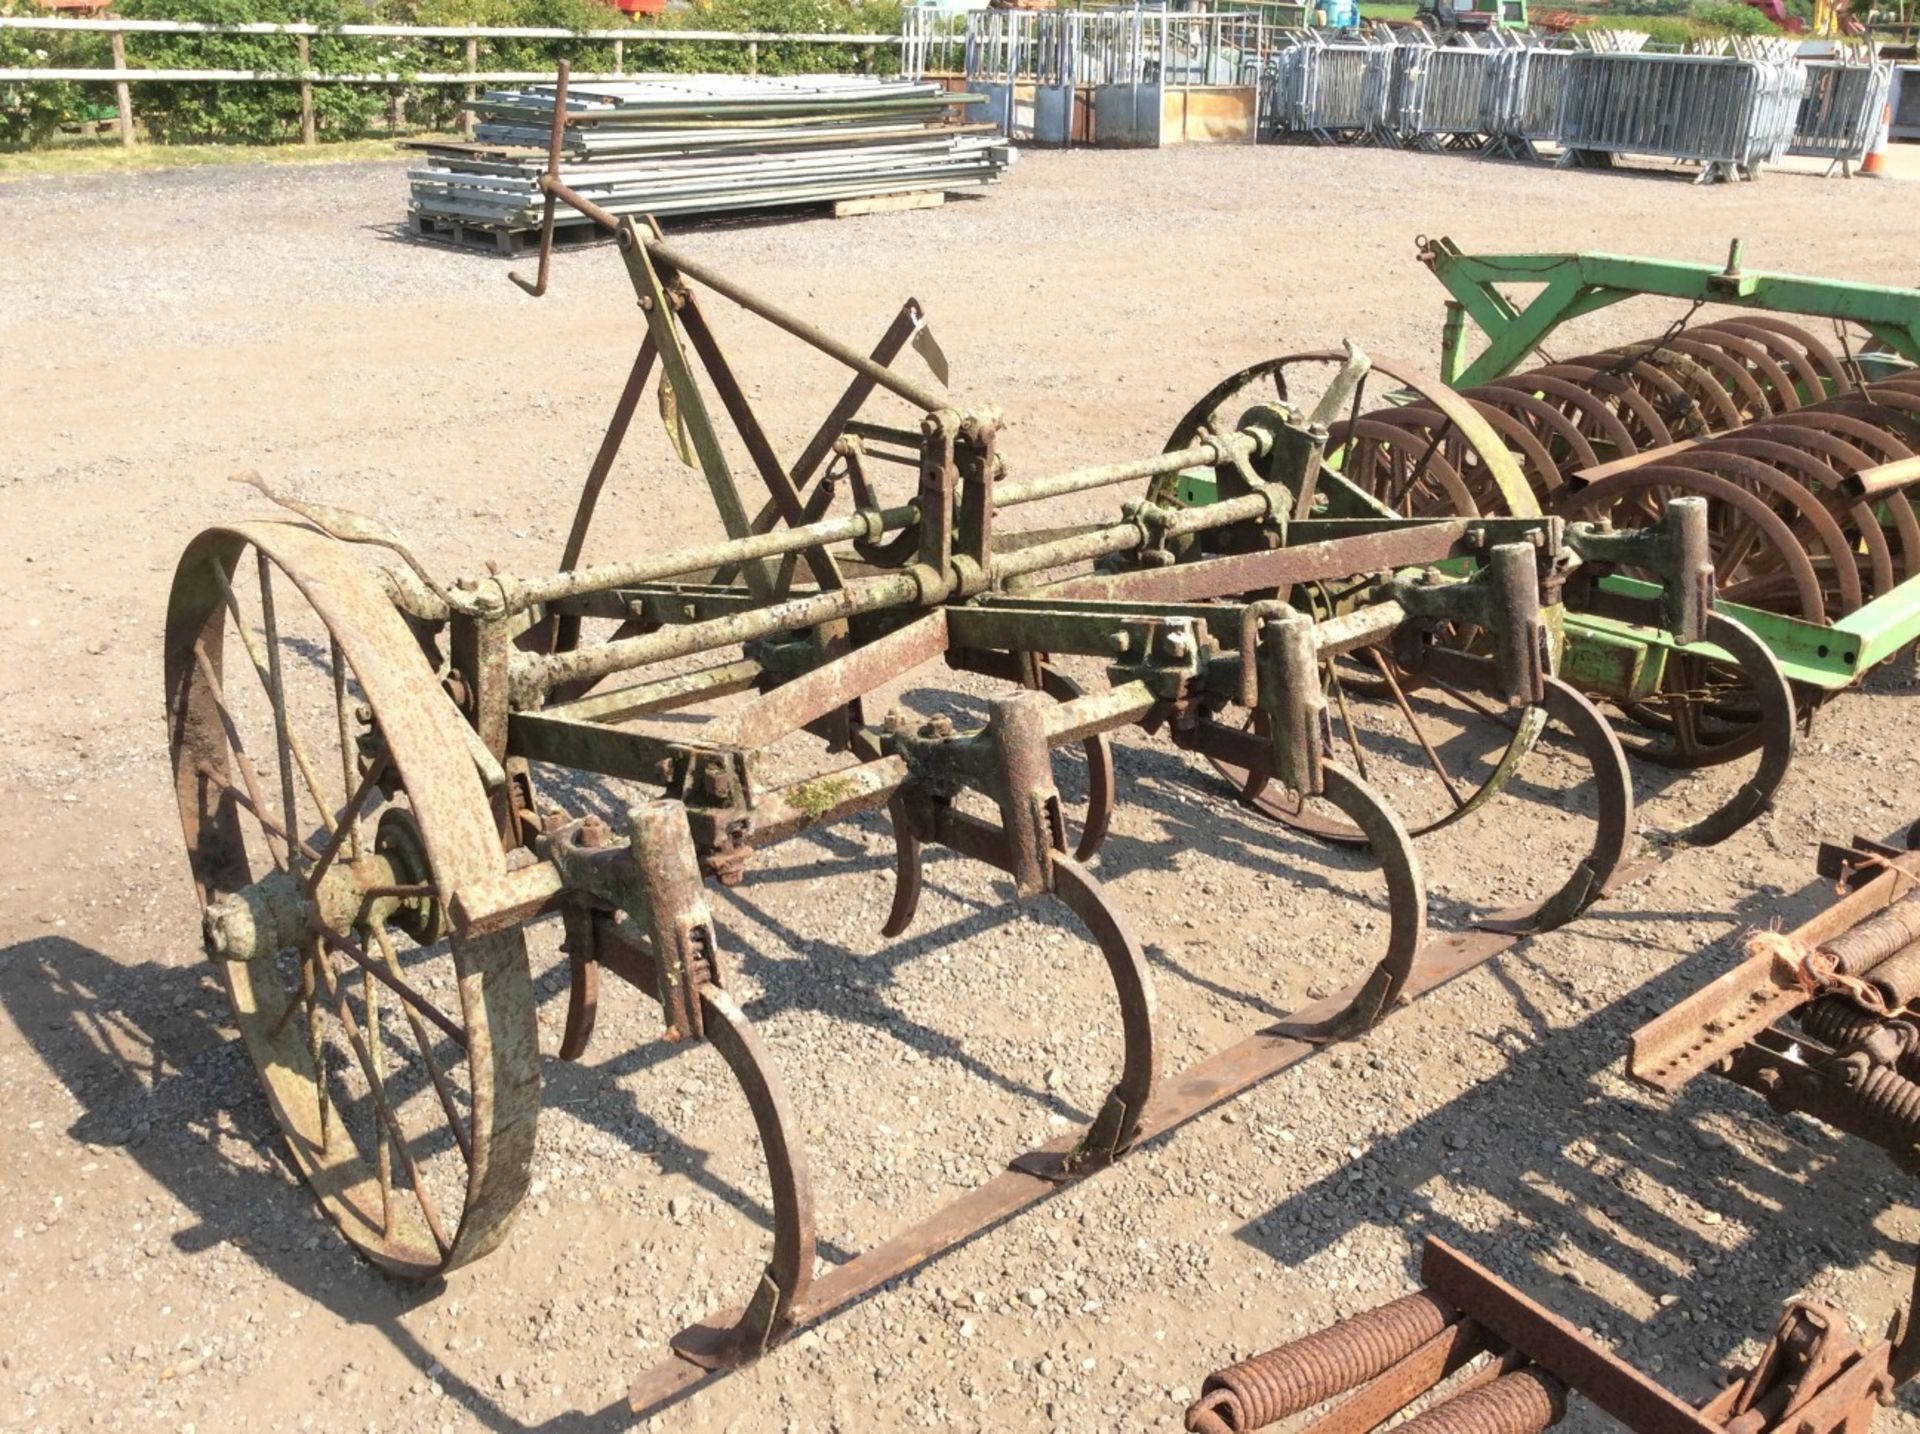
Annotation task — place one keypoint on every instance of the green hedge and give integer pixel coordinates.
(255, 112)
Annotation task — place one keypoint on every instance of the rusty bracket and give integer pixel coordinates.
(1675, 550)
(1504, 598)
(656, 880)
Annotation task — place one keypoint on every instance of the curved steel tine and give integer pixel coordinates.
(783, 1286)
(1613, 795)
(1100, 798)
(1406, 908)
(1100, 783)
(1775, 724)
(1114, 1129)
(583, 994)
(906, 871)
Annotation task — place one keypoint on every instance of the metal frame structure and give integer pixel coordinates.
(1573, 285)
(343, 905)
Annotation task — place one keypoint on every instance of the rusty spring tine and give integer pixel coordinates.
(1524, 1402)
(549, 186)
(1774, 726)
(1613, 817)
(1375, 1403)
(1310, 1370)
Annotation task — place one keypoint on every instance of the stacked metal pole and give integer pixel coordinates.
(707, 144)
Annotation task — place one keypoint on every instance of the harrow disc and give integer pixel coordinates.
(401, 1064)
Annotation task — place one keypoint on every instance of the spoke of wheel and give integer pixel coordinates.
(347, 827)
(300, 757)
(1419, 733)
(378, 1092)
(269, 823)
(1738, 544)
(1419, 472)
(412, 999)
(339, 666)
(257, 801)
(1469, 700)
(277, 691)
(383, 1155)
(440, 1088)
(1346, 718)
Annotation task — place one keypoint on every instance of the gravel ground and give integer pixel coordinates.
(162, 1267)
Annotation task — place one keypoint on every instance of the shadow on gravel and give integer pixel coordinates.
(145, 1052)
(1583, 1187)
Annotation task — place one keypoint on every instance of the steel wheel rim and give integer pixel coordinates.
(405, 1224)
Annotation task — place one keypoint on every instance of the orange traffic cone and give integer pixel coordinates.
(1875, 162)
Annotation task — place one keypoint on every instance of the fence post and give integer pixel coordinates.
(619, 57)
(473, 68)
(122, 91)
(308, 134)
(753, 57)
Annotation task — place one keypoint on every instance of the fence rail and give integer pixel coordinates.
(123, 76)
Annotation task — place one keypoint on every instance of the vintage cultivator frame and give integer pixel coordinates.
(1818, 1020)
(373, 808)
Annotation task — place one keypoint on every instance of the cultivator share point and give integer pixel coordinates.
(371, 769)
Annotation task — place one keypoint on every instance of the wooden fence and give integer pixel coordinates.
(123, 77)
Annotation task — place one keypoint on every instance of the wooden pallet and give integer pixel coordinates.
(888, 203)
(467, 234)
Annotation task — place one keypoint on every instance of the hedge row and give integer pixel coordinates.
(269, 113)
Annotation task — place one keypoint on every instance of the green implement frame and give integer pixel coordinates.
(1574, 284)
(1618, 659)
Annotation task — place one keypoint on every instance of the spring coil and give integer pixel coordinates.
(1303, 1373)
(1836, 1022)
(1878, 937)
(1885, 1108)
(1524, 1402)
(1898, 977)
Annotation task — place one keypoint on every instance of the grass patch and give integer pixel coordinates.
(108, 156)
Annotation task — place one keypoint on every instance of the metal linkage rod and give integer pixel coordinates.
(522, 593)
(533, 675)
(890, 379)
(1080, 480)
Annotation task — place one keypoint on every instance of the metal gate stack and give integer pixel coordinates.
(1439, 92)
(1334, 91)
(1728, 114)
(1842, 106)
(1522, 99)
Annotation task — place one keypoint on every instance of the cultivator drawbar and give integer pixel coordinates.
(377, 808)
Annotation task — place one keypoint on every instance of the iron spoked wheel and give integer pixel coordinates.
(331, 810)
(1440, 457)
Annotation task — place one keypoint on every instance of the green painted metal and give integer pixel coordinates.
(1810, 653)
(1574, 284)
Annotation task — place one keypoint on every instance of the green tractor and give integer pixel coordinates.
(1445, 16)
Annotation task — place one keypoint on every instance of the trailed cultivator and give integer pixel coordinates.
(380, 777)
